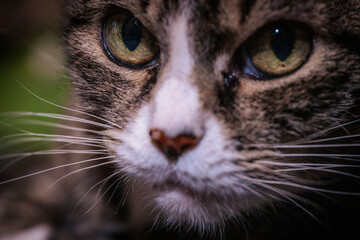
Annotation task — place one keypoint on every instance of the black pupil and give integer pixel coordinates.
(131, 32)
(282, 42)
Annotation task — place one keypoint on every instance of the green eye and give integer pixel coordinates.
(278, 49)
(127, 41)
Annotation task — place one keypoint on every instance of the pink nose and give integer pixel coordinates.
(172, 148)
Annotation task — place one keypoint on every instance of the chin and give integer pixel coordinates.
(179, 207)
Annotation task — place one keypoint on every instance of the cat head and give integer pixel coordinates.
(213, 108)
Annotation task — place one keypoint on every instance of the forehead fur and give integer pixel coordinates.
(232, 10)
(230, 21)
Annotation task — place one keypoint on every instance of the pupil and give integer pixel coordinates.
(131, 32)
(282, 42)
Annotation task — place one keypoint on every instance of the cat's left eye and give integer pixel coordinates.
(275, 50)
(128, 42)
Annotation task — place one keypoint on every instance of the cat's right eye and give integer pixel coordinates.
(128, 42)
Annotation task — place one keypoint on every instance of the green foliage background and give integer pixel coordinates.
(38, 64)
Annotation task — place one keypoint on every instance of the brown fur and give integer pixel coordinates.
(321, 94)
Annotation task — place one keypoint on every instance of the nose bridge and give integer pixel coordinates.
(175, 104)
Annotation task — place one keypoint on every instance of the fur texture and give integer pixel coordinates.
(263, 143)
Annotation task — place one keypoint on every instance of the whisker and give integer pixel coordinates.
(61, 140)
(253, 191)
(9, 164)
(334, 138)
(37, 137)
(30, 137)
(52, 152)
(323, 132)
(14, 161)
(347, 159)
(294, 202)
(80, 170)
(312, 167)
(94, 186)
(56, 125)
(290, 184)
(125, 194)
(306, 164)
(287, 195)
(99, 199)
(52, 169)
(11, 115)
(14, 128)
(305, 146)
(325, 155)
(113, 193)
(322, 169)
(102, 185)
(63, 136)
(67, 108)
(51, 135)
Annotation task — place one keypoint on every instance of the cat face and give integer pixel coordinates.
(203, 97)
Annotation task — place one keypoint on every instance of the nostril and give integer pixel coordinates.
(173, 147)
(157, 134)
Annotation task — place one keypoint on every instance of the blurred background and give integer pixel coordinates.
(31, 57)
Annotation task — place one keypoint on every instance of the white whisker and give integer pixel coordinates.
(29, 137)
(67, 108)
(346, 159)
(14, 161)
(50, 135)
(52, 152)
(294, 202)
(287, 195)
(306, 146)
(305, 164)
(113, 193)
(334, 138)
(11, 115)
(325, 155)
(323, 132)
(321, 169)
(80, 170)
(53, 168)
(125, 194)
(94, 186)
(99, 199)
(56, 125)
(59, 140)
(309, 188)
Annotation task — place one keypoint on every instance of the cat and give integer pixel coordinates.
(229, 119)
